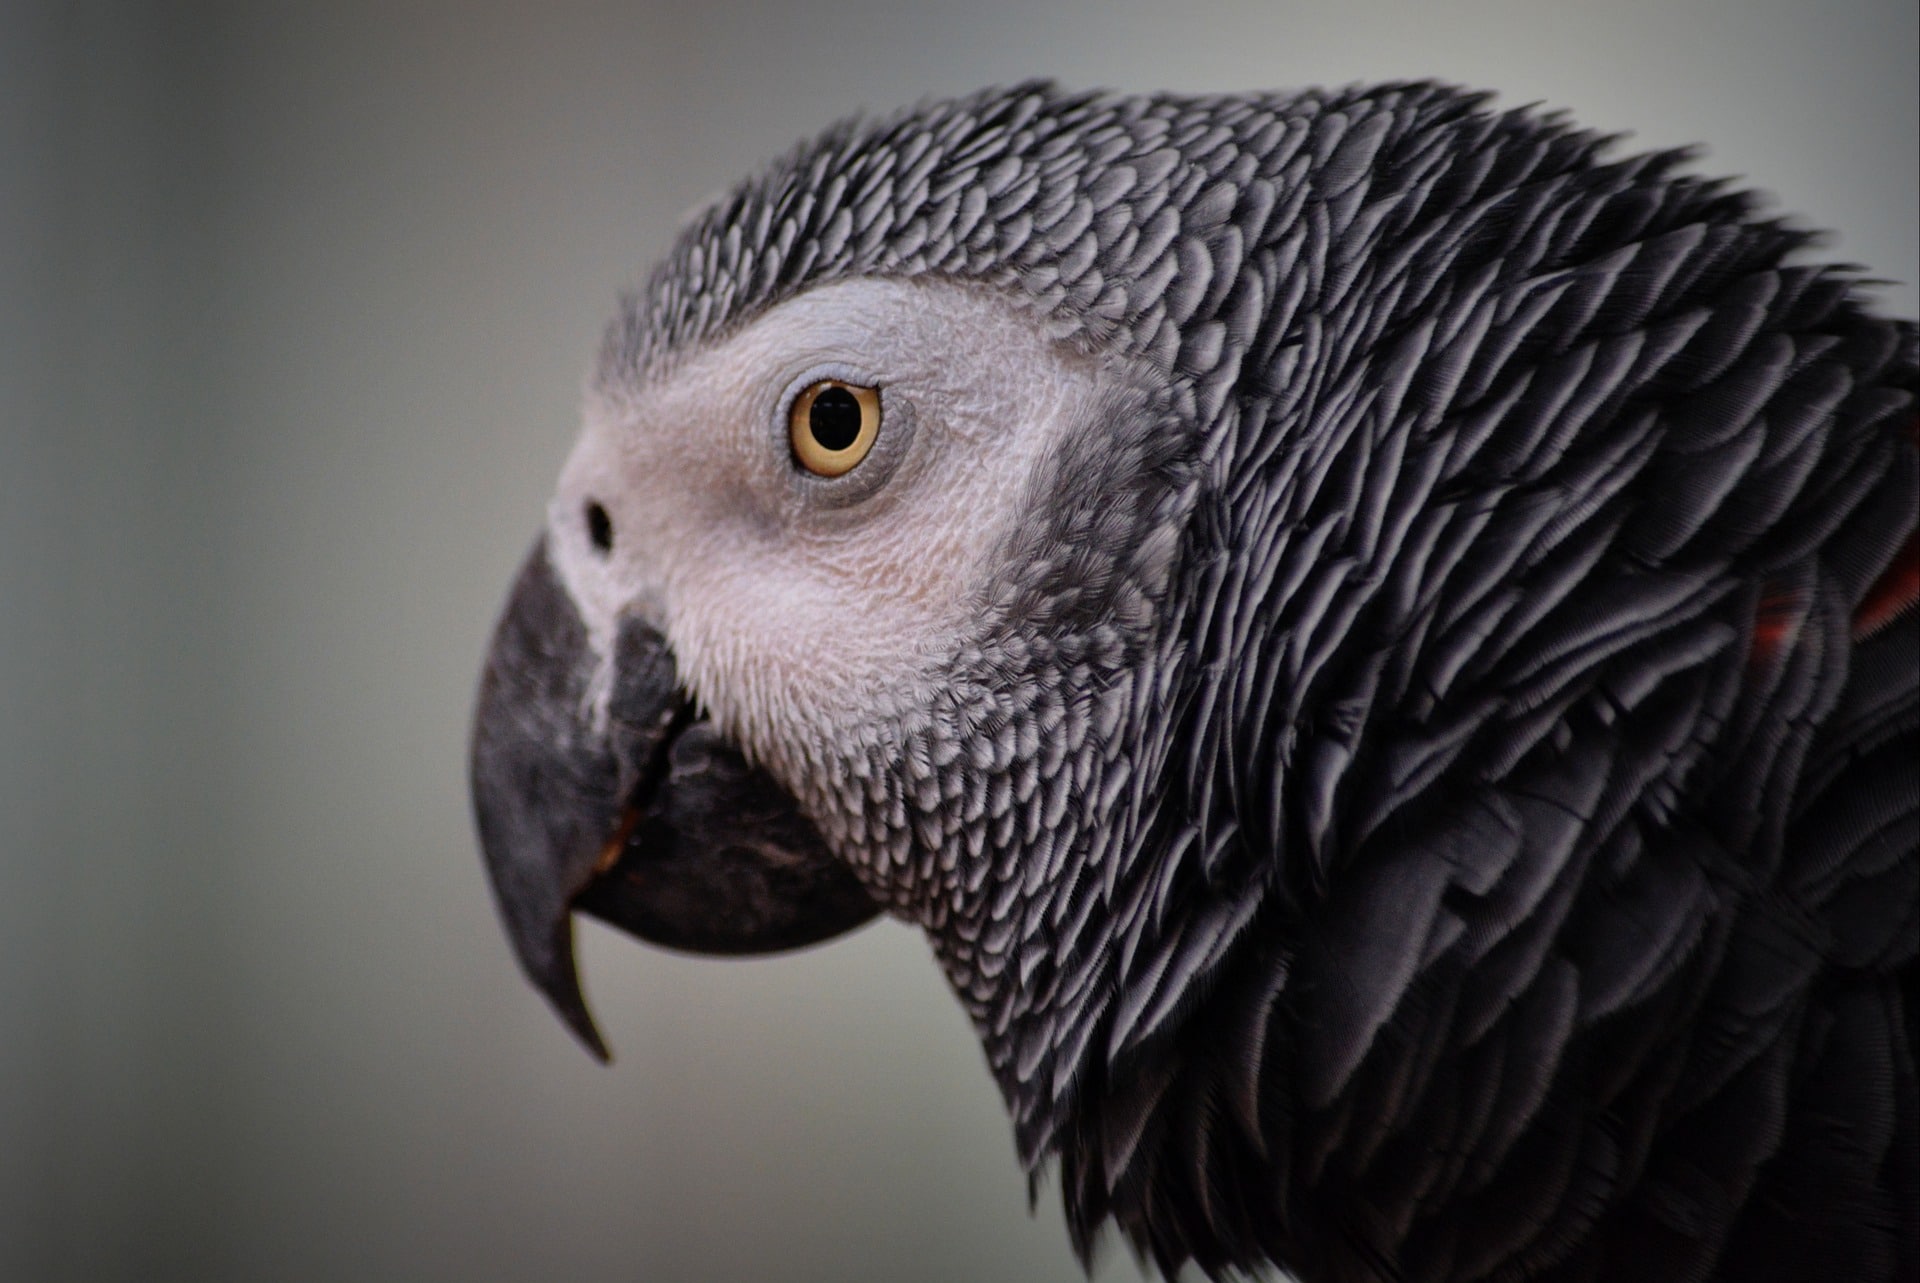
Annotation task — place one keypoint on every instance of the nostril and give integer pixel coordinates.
(599, 527)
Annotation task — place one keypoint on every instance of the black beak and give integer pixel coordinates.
(645, 818)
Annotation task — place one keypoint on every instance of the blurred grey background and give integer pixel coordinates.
(294, 306)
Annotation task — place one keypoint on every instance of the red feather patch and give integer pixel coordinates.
(1776, 625)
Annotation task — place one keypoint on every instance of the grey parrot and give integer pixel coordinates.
(1376, 639)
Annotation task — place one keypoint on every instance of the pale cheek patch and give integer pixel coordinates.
(771, 652)
(792, 616)
(920, 572)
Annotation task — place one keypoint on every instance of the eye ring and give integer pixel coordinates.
(832, 426)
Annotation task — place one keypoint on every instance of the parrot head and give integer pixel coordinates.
(849, 599)
(807, 626)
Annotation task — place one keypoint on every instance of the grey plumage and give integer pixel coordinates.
(1431, 794)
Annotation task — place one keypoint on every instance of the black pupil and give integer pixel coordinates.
(834, 419)
(599, 527)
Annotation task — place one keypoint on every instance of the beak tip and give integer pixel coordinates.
(556, 975)
(589, 1037)
(568, 1004)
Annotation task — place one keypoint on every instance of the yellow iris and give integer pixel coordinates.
(833, 425)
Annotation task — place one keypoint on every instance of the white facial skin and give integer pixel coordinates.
(795, 603)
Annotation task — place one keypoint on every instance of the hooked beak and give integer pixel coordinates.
(644, 817)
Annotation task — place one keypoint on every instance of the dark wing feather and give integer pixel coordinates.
(1567, 801)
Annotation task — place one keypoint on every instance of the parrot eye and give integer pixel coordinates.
(832, 426)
